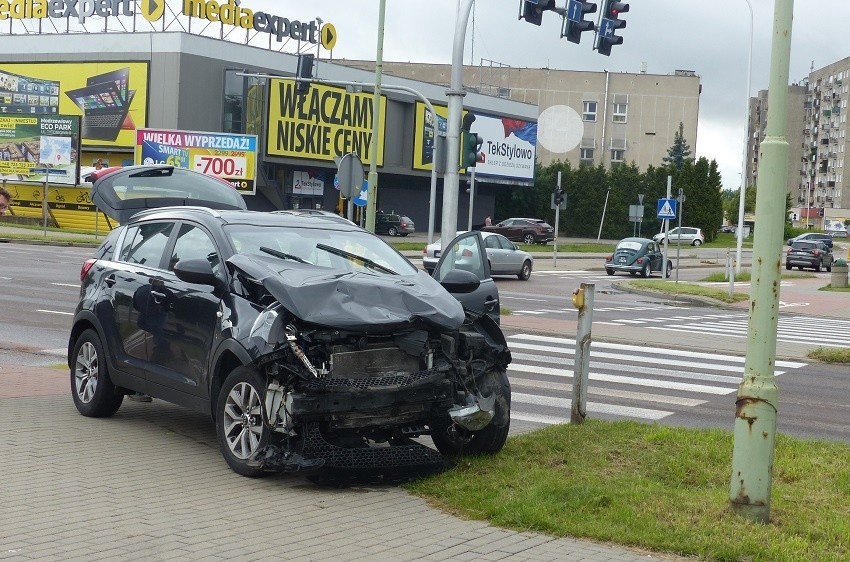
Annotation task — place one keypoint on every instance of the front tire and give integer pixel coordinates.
(453, 441)
(528, 238)
(240, 420)
(524, 273)
(94, 394)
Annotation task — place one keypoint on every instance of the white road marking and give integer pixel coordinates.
(56, 312)
(594, 407)
(73, 285)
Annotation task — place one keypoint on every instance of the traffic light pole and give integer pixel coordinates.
(455, 93)
(758, 395)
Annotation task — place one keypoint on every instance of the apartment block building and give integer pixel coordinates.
(584, 117)
(816, 134)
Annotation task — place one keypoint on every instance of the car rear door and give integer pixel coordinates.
(467, 252)
(495, 254)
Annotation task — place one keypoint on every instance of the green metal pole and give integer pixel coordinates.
(372, 191)
(758, 395)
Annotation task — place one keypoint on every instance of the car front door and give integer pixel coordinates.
(184, 317)
(467, 252)
(495, 254)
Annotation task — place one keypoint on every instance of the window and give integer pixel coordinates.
(589, 113)
(144, 244)
(587, 155)
(193, 243)
(618, 155)
(234, 102)
(620, 112)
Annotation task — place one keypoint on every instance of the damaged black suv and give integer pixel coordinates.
(312, 343)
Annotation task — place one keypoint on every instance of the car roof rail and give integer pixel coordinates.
(212, 212)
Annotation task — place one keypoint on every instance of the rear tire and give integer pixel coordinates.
(788, 266)
(240, 420)
(392, 231)
(609, 271)
(524, 273)
(94, 394)
(669, 269)
(645, 271)
(818, 266)
(697, 243)
(453, 441)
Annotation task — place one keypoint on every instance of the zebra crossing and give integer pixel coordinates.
(625, 381)
(809, 330)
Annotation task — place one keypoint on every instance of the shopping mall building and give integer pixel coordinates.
(184, 98)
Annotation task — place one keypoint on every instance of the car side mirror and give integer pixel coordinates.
(198, 271)
(460, 281)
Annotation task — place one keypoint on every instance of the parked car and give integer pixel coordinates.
(312, 343)
(393, 224)
(727, 228)
(838, 234)
(820, 236)
(504, 257)
(636, 255)
(683, 235)
(813, 254)
(528, 231)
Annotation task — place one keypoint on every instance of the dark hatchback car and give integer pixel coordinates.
(527, 231)
(312, 343)
(393, 224)
(813, 236)
(636, 256)
(812, 254)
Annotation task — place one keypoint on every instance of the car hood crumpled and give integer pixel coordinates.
(353, 301)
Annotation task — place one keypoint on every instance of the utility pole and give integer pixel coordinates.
(758, 395)
(455, 94)
(372, 191)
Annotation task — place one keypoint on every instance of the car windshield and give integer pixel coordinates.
(343, 251)
(628, 245)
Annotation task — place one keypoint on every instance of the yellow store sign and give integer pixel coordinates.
(324, 123)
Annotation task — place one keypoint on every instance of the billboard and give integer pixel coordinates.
(39, 147)
(322, 124)
(227, 156)
(111, 97)
(510, 145)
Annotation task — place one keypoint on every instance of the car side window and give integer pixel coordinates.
(144, 244)
(193, 243)
(463, 255)
(492, 242)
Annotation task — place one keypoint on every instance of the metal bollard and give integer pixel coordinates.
(583, 301)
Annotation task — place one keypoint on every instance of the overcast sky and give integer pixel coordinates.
(710, 37)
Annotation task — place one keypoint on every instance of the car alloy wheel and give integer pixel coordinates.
(525, 272)
(240, 426)
(697, 242)
(92, 390)
(528, 239)
(392, 231)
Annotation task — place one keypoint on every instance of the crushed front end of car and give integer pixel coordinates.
(357, 366)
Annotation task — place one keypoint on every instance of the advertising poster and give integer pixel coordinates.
(324, 123)
(111, 98)
(510, 147)
(227, 156)
(39, 147)
(308, 183)
(423, 143)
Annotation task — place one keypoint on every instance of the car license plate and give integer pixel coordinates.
(622, 259)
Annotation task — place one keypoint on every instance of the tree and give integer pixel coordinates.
(732, 205)
(680, 151)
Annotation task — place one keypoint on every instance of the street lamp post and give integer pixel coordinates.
(743, 191)
(372, 189)
(758, 396)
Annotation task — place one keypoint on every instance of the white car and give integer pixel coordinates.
(682, 235)
(504, 257)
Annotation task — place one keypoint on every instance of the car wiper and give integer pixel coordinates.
(356, 258)
(282, 255)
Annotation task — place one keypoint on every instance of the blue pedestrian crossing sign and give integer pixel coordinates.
(666, 208)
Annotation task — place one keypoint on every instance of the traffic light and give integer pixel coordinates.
(470, 146)
(574, 23)
(559, 196)
(610, 23)
(304, 70)
(532, 10)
